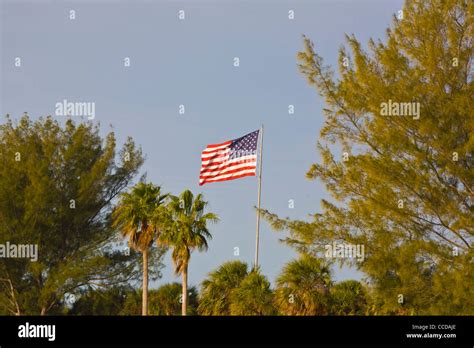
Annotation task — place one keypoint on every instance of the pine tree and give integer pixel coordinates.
(397, 151)
(57, 184)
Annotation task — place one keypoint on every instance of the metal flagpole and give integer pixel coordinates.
(257, 236)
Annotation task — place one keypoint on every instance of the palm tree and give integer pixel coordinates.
(185, 231)
(348, 297)
(134, 216)
(216, 290)
(253, 296)
(303, 287)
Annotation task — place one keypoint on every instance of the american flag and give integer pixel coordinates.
(230, 160)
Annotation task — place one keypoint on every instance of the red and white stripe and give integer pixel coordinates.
(216, 165)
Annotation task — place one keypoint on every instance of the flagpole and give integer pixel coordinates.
(257, 236)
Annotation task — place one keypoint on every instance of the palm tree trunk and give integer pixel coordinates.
(145, 283)
(184, 304)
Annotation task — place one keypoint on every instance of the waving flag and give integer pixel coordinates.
(230, 160)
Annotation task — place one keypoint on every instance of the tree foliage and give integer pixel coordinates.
(405, 188)
(253, 297)
(135, 216)
(184, 227)
(57, 184)
(215, 297)
(125, 300)
(233, 289)
(167, 300)
(303, 287)
(102, 301)
(348, 297)
(135, 212)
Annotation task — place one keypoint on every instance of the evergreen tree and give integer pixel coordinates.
(397, 151)
(57, 184)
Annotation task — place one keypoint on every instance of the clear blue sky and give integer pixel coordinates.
(190, 62)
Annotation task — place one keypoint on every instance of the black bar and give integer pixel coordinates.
(242, 330)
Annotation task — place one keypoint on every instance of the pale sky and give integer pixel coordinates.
(190, 62)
